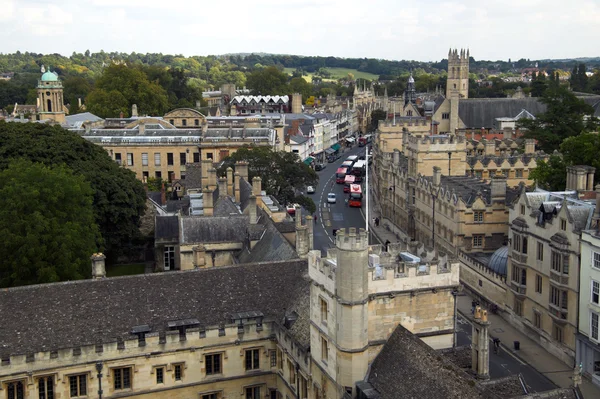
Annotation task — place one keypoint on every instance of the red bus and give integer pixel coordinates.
(340, 175)
(348, 181)
(359, 170)
(364, 140)
(355, 196)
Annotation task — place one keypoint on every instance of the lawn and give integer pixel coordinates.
(337, 73)
(125, 270)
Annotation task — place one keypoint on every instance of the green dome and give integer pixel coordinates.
(49, 77)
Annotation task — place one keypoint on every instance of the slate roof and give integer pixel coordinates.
(245, 192)
(155, 196)
(468, 188)
(224, 206)
(78, 119)
(272, 246)
(193, 176)
(182, 205)
(87, 312)
(482, 112)
(166, 228)
(298, 139)
(203, 229)
(407, 367)
(286, 227)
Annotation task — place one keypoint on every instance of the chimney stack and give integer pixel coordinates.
(296, 103)
(490, 147)
(310, 229)
(163, 195)
(256, 186)
(230, 181)
(529, 146)
(437, 176)
(98, 266)
(207, 201)
(222, 187)
(204, 167)
(580, 178)
(212, 178)
(237, 184)
(242, 168)
(507, 133)
(134, 111)
(498, 188)
(252, 211)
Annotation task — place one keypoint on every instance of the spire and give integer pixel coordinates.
(385, 93)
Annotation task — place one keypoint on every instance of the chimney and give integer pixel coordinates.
(256, 186)
(237, 183)
(207, 199)
(437, 176)
(252, 211)
(98, 266)
(141, 128)
(205, 165)
(296, 103)
(498, 188)
(490, 147)
(590, 178)
(579, 179)
(163, 195)
(507, 133)
(298, 216)
(396, 156)
(198, 104)
(230, 181)
(529, 146)
(310, 228)
(212, 178)
(134, 112)
(242, 168)
(222, 187)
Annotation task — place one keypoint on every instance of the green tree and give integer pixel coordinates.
(299, 85)
(551, 174)
(119, 198)
(538, 85)
(107, 104)
(268, 81)
(283, 174)
(376, 116)
(47, 226)
(75, 87)
(565, 116)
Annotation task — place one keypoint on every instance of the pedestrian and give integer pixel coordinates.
(376, 222)
(387, 243)
(496, 345)
(315, 217)
(473, 304)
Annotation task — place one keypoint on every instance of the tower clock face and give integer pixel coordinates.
(47, 93)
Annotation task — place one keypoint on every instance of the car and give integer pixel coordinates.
(310, 190)
(291, 209)
(320, 166)
(361, 158)
(331, 198)
(331, 159)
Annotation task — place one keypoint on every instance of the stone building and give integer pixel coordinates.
(543, 262)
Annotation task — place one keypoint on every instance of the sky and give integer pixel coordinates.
(388, 29)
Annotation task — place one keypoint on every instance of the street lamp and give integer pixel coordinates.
(392, 189)
(99, 370)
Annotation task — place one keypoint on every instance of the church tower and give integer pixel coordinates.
(458, 73)
(410, 95)
(50, 97)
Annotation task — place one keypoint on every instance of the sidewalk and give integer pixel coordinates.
(530, 352)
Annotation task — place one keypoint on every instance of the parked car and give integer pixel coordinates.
(320, 166)
(310, 190)
(331, 198)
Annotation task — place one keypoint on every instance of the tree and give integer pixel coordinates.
(107, 104)
(47, 226)
(376, 116)
(538, 85)
(299, 85)
(565, 116)
(283, 174)
(75, 87)
(119, 198)
(268, 81)
(551, 174)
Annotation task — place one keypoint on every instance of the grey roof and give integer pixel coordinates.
(78, 119)
(167, 228)
(182, 205)
(155, 196)
(482, 112)
(193, 176)
(298, 139)
(245, 192)
(272, 246)
(499, 260)
(207, 229)
(407, 367)
(286, 227)
(224, 206)
(88, 312)
(468, 188)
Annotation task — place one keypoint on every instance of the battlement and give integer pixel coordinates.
(403, 122)
(144, 344)
(352, 240)
(440, 139)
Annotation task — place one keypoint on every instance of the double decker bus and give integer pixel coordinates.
(359, 170)
(340, 175)
(364, 140)
(348, 164)
(348, 181)
(356, 196)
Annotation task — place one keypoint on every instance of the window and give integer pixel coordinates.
(563, 224)
(253, 393)
(129, 159)
(78, 385)
(157, 159)
(172, 122)
(596, 260)
(324, 310)
(409, 113)
(540, 251)
(160, 375)
(214, 395)
(519, 275)
(519, 173)
(170, 158)
(213, 364)
(196, 122)
(182, 158)
(595, 292)
(594, 325)
(324, 349)
(538, 283)
(292, 372)
(209, 155)
(279, 359)
(522, 209)
(178, 372)
(478, 216)
(184, 122)
(303, 387)
(557, 333)
(118, 158)
(15, 390)
(273, 358)
(445, 115)
(46, 387)
(518, 307)
(196, 157)
(122, 378)
(478, 241)
(252, 359)
(169, 258)
(560, 262)
(145, 176)
(144, 159)
(558, 297)
(537, 319)
(520, 243)
(158, 174)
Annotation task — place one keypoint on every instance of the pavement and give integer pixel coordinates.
(530, 352)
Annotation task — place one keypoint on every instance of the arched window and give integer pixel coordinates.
(49, 102)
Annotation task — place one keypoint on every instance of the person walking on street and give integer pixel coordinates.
(496, 345)
(376, 222)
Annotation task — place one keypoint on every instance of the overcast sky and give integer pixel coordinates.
(390, 29)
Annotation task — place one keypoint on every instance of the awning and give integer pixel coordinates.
(329, 151)
(350, 139)
(309, 160)
(336, 147)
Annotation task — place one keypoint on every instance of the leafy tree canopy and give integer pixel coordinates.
(118, 197)
(47, 226)
(283, 174)
(376, 116)
(268, 81)
(565, 116)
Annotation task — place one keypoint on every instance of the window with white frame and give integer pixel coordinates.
(144, 159)
(595, 292)
(157, 159)
(169, 258)
(594, 325)
(596, 260)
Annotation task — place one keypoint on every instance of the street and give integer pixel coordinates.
(338, 215)
(504, 363)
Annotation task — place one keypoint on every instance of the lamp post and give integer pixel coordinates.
(392, 189)
(99, 375)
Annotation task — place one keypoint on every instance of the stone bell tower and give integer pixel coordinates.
(458, 73)
(50, 104)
